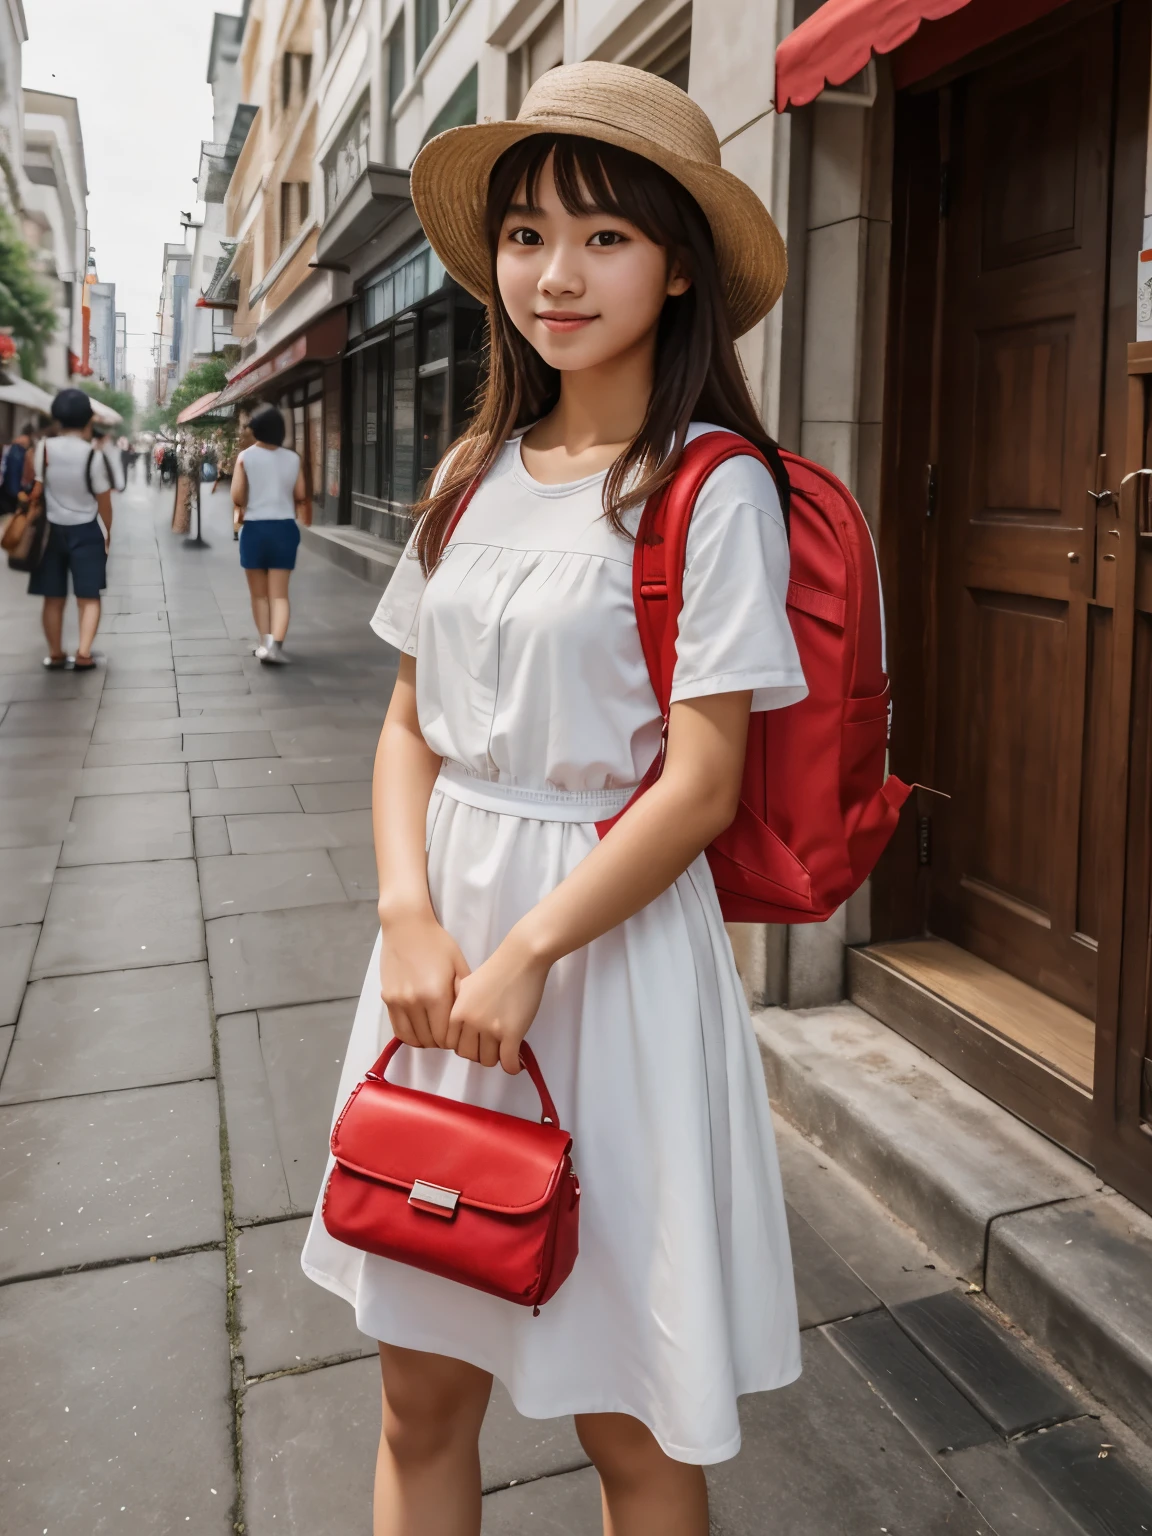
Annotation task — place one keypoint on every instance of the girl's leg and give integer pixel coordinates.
(428, 1469)
(52, 618)
(89, 623)
(645, 1492)
(258, 592)
(278, 605)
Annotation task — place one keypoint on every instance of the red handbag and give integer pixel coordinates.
(483, 1198)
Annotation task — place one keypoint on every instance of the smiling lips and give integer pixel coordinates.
(562, 321)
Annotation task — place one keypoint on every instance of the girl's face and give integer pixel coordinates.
(580, 288)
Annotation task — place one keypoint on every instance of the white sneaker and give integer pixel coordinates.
(273, 655)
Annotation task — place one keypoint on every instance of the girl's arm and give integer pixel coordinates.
(104, 511)
(420, 964)
(302, 500)
(694, 799)
(239, 487)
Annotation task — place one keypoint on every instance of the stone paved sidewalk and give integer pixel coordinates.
(186, 911)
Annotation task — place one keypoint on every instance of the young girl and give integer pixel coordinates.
(269, 494)
(618, 260)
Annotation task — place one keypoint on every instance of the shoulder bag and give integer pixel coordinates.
(26, 536)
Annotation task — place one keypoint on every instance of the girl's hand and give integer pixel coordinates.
(495, 1007)
(420, 969)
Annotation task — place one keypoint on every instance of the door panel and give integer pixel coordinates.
(1022, 379)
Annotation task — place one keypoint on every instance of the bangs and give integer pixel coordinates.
(591, 177)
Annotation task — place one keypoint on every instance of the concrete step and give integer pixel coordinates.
(1058, 1252)
(364, 555)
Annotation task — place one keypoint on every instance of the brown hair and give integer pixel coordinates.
(697, 373)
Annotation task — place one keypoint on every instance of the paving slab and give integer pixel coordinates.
(303, 1051)
(116, 829)
(138, 779)
(567, 1505)
(116, 1029)
(267, 882)
(216, 685)
(123, 677)
(112, 917)
(51, 751)
(32, 687)
(515, 1449)
(944, 1158)
(62, 717)
(120, 754)
(259, 1183)
(26, 876)
(310, 1445)
(201, 776)
(6, 1034)
(1088, 1477)
(223, 745)
(206, 666)
(160, 697)
(133, 1174)
(273, 832)
(152, 726)
(288, 1320)
(356, 796)
(121, 1425)
(131, 713)
(305, 955)
(992, 1369)
(312, 741)
(996, 1482)
(1077, 1278)
(244, 802)
(826, 1288)
(211, 837)
(17, 946)
(827, 1457)
(293, 770)
(357, 870)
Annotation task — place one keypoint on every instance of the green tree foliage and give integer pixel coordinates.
(25, 301)
(119, 400)
(205, 379)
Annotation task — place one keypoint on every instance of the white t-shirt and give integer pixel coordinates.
(535, 674)
(272, 476)
(67, 498)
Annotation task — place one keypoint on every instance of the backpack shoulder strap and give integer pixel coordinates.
(661, 552)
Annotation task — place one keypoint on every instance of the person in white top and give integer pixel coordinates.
(77, 488)
(269, 493)
(522, 717)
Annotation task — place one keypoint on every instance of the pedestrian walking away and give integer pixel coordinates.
(269, 494)
(77, 485)
(15, 469)
(625, 261)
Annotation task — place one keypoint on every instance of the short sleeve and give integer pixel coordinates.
(395, 616)
(103, 475)
(734, 632)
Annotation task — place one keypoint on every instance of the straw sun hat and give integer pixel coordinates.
(622, 106)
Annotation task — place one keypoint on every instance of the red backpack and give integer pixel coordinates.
(816, 810)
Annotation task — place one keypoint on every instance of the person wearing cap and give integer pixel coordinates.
(77, 486)
(618, 262)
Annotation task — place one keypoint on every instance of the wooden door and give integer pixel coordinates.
(1023, 649)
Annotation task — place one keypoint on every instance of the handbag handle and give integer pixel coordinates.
(527, 1061)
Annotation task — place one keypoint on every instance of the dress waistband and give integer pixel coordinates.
(533, 804)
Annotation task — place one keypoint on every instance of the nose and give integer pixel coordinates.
(561, 275)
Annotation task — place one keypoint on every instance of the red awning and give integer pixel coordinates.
(837, 41)
(323, 341)
(199, 407)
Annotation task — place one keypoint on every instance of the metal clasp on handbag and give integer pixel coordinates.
(440, 1201)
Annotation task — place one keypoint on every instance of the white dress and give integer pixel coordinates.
(532, 686)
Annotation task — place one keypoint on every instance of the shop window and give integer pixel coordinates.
(460, 108)
(295, 78)
(435, 350)
(294, 200)
(427, 25)
(404, 413)
(347, 160)
(543, 51)
(396, 69)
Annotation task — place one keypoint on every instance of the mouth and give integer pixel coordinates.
(561, 321)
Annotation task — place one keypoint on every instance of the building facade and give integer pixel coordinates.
(56, 221)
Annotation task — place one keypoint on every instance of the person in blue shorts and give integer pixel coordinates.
(270, 495)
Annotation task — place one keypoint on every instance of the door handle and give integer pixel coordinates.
(1143, 504)
(1101, 498)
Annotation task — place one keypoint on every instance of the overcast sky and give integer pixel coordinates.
(137, 68)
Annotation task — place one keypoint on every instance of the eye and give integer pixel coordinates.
(526, 236)
(606, 237)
